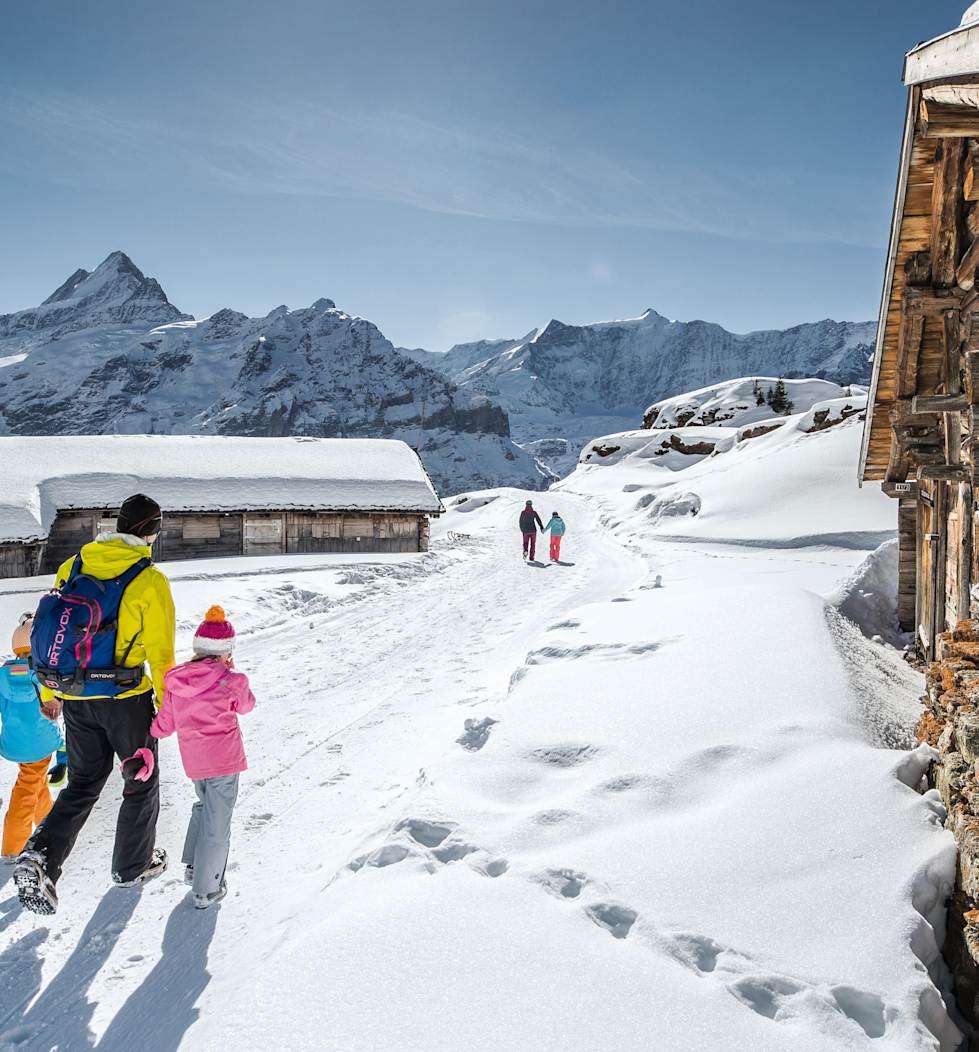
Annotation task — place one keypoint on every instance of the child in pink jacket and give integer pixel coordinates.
(201, 703)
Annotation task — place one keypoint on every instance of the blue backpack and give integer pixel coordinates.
(73, 639)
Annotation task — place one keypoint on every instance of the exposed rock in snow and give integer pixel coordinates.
(736, 402)
(681, 431)
(107, 352)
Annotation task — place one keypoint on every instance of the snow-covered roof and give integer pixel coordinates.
(41, 476)
(952, 54)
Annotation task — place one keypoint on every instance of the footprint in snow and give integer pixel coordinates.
(476, 733)
(616, 920)
(428, 834)
(566, 883)
(434, 844)
(569, 755)
(781, 998)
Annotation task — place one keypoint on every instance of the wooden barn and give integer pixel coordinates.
(220, 496)
(921, 438)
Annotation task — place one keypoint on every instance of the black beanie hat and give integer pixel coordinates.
(139, 515)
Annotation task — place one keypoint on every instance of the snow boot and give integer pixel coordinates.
(158, 865)
(202, 902)
(58, 775)
(34, 887)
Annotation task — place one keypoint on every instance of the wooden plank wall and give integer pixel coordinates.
(389, 532)
(924, 584)
(199, 535)
(20, 560)
(190, 535)
(71, 529)
(907, 542)
(953, 538)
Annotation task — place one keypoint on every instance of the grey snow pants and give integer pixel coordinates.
(209, 832)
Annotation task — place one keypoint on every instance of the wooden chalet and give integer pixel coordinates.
(220, 496)
(921, 438)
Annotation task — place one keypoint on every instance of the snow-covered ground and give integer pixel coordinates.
(657, 796)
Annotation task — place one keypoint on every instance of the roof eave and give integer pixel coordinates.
(953, 54)
(900, 194)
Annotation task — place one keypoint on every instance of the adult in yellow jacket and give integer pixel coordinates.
(99, 728)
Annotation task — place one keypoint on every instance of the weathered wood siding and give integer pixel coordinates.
(210, 535)
(71, 529)
(907, 543)
(199, 536)
(20, 560)
(381, 532)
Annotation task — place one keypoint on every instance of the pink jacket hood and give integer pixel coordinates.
(201, 704)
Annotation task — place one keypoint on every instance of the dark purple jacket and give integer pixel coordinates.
(527, 519)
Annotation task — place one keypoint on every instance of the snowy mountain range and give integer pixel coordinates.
(567, 383)
(108, 353)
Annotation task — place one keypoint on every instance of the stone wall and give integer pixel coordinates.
(951, 724)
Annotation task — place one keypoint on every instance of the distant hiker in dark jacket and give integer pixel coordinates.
(529, 521)
(555, 526)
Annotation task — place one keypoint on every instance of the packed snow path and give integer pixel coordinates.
(357, 694)
(495, 806)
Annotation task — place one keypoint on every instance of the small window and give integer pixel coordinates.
(105, 526)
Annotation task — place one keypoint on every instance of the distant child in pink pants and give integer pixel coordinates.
(555, 525)
(202, 700)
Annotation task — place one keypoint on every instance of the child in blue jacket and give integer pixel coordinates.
(27, 737)
(555, 525)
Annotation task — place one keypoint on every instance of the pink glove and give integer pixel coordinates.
(139, 767)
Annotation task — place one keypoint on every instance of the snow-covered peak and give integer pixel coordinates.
(116, 278)
(116, 292)
(551, 330)
(971, 14)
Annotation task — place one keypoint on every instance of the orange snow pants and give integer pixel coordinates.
(30, 801)
(555, 547)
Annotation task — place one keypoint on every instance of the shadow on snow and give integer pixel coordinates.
(156, 1015)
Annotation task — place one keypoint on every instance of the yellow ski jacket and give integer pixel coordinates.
(146, 611)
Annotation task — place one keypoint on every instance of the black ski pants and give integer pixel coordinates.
(96, 730)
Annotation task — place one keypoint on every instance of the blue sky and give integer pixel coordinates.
(456, 170)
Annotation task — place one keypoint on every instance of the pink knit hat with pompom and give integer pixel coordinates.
(215, 634)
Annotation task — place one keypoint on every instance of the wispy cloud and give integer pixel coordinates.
(303, 148)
